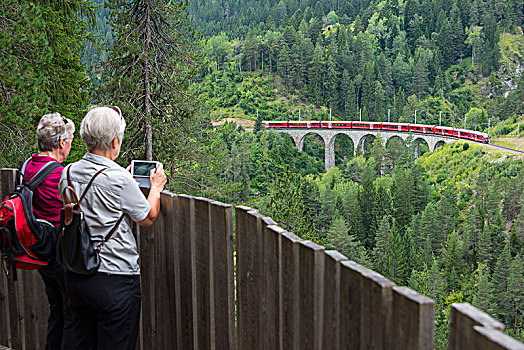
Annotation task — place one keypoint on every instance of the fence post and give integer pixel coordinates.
(462, 319)
(270, 284)
(331, 322)
(249, 276)
(412, 319)
(204, 333)
(351, 305)
(377, 303)
(311, 272)
(222, 273)
(185, 258)
(493, 339)
(11, 297)
(289, 291)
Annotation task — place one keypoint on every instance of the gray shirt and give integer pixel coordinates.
(112, 193)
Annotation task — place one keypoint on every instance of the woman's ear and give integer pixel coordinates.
(115, 142)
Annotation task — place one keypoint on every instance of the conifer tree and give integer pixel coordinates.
(356, 225)
(397, 266)
(452, 262)
(339, 239)
(516, 296)
(500, 281)
(380, 257)
(483, 297)
(155, 55)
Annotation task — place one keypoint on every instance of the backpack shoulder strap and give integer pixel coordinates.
(88, 185)
(42, 174)
(20, 179)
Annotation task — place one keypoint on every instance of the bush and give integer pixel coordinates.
(465, 146)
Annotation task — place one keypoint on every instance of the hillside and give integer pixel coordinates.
(359, 57)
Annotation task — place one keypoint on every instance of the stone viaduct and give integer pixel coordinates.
(358, 137)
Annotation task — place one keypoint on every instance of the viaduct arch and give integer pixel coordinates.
(358, 137)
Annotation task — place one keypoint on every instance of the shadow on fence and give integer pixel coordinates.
(280, 292)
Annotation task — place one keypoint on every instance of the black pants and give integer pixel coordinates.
(60, 333)
(106, 310)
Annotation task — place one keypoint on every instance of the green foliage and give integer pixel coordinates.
(40, 71)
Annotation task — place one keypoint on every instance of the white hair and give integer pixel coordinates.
(100, 126)
(51, 129)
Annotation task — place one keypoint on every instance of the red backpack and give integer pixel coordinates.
(26, 242)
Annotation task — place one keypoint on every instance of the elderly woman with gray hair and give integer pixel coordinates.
(54, 135)
(106, 305)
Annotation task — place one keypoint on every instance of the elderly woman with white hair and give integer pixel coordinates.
(54, 135)
(106, 305)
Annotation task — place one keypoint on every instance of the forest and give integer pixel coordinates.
(448, 224)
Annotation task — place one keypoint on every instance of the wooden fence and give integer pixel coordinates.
(280, 292)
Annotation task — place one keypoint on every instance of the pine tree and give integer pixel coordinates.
(339, 239)
(452, 262)
(517, 234)
(516, 296)
(397, 266)
(482, 297)
(365, 199)
(356, 225)
(380, 257)
(155, 55)
(382, 206)
(500, 281)
(286, 206)
(402, 198)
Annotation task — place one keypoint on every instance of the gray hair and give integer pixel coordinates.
(100, 126)
(51, 129)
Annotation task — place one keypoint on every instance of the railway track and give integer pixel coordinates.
(505, 148)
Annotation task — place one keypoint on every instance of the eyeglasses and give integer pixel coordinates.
(64, 119)
(116, 109)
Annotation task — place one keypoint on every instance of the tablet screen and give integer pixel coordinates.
(143, 168)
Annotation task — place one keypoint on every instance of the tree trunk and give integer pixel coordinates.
(147, 87)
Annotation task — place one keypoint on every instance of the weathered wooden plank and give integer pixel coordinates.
(350, 304)
(331, 322)
(15, 340)
(4, 305)
(42, 308)
(223, 292)
(270, 288)
(487, 338)
(31, 339)
(162, 280)
(5, 326)
(412, 319)
(15, 336)
(249, 276)
(167, 302)
(377, 308)
(186, 261)
(463, 317)
(289, 292)
(147, 280)
(202, 249)
(311, 267)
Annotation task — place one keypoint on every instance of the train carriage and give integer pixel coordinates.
(298, 124)
(366, 125)
(336, 125)
(446, 131)
(395, 126)
(276, 124)
(421, 128)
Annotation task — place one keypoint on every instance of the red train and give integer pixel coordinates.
(402, 127)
